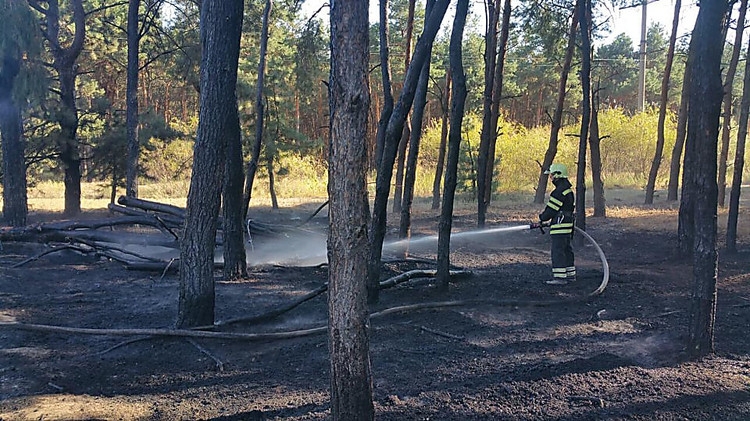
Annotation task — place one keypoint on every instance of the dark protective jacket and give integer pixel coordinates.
(560, 207)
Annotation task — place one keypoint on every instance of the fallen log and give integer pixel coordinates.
(46, 234)
(152, 206)
(167, 220)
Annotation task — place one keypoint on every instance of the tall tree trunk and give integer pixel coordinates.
(679, 144)
(392, 137)
(727, 111)
(454, 145)
(270, 155)
(600, 203)
(490, 62)
(703, 131)
(444, 108)
(221, 28)
(549, 156)
(406, 133)
(656, 163)
(739, 163)
(131, 114)
(584, 15)
(497, 96)
(420, 101)
(233, 228)
(64, 63)
(252, 166)
(348, 318)
(385, 73)
(15, 202)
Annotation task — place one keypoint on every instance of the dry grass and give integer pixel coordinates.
(623, 205)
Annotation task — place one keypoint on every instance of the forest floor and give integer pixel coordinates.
(618, 356)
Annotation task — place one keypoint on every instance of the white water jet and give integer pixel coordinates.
(423, 241)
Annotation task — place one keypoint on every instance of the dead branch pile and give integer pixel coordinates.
(141, 234)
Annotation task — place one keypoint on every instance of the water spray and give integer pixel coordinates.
(402, 244)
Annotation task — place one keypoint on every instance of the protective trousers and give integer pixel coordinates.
(563, 262)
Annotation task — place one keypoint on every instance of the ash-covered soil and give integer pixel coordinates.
(618, 356)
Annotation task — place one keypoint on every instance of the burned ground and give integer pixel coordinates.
(616, 356)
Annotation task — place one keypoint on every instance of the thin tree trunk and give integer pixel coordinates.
(584, 11)
(490, 62)
(15, 202)
(385, 72)
(420, 101)
(727, 111)
(679, 144)
(600, 207)
(392, 136)
(497, 96)
(444, 107)
(252, 166)
(131, 114)
(454, 145)
(406, 133)
(703, 131)
(221, 28)
(739, 163)
(656, 163)
(549, 156)
(270, 155)
(348, 318)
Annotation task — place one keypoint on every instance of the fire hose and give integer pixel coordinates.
(602, 257)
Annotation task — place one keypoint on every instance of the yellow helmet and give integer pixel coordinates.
(558, 171)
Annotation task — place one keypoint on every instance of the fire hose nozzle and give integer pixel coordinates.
(539, 225)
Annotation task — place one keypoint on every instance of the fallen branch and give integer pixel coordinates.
(309, 218)
(388, 283)
(443, 334)
(258, 337)
(50, 251)
(278, 311)
(219, 364)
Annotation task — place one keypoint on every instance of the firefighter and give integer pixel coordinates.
(560, 212)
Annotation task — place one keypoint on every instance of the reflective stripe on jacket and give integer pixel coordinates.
(560, 207)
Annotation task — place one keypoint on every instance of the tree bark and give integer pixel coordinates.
(549, 156)
(444, 108)
(679, 144)
(131, 113)
(252, 166)
(406, 133)
(454, 145)
(584, 16)
(64, 62)
(392, 136)
(15, 202)
(739, 164)
(727, 111)
(420, 102)
(497, 96)
(385, 74)
(233, 227)
(348, 318)
(703, 131)
(656, 163)
(600, 203)
(490, 62)
(221, 27)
